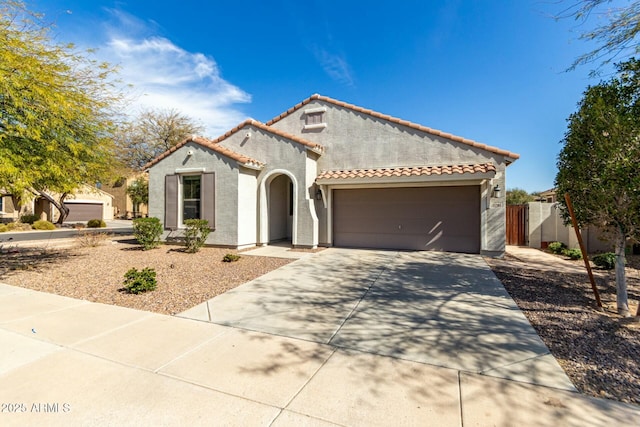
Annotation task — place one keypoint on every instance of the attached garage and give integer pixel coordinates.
(418, 218)
(84, 211)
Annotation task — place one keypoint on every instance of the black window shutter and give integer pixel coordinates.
(171, 202)
(208, 198)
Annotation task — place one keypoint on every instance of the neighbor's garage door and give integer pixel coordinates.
(84, 211)
(422, 218)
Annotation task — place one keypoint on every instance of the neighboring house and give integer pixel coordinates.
(8, 209)
(122, 204)
(327, 173)
(548, 196)
(84, 204)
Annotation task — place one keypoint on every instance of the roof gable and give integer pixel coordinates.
(211, 145)
(395, 120)
(240, 158)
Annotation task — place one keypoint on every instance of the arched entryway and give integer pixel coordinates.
(278, 207)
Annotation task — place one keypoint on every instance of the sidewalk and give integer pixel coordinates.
(71, 362)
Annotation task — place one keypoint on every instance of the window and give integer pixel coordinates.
(1, 203)
(191, 197)
(314, 118)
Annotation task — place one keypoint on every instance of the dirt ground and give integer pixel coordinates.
(97, 273)
(598, 350)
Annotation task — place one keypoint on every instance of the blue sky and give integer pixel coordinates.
(489, 70)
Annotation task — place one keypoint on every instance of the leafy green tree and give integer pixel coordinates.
(138, 191)
(615, 35)
(598, 165)
(56, 115)
(518, 196)
(152, 133)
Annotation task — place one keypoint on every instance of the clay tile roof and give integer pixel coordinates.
(407, 171)
(394, 120)
(312, 145)
(212, 145)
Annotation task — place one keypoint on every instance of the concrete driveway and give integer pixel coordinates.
(306, 345)
(441, 309)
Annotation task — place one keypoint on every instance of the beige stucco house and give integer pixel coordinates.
(84, 204)
(123, 206)
(328, 173)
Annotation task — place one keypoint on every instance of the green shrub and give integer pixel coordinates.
(42, 224)
(231, 258)
(557, 247)
(606, 261)
(96, 223)
(18, 226)
(195, 234)
(29, 219)
(147, 232)
(136, 282)
(573, 253)
(3, 228)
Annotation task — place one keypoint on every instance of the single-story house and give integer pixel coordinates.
(9, 209)
(86, 203)
(328, 173)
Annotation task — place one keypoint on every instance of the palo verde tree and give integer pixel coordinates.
(615, 35)
(55, 111)
(152, 133)
(598, 165)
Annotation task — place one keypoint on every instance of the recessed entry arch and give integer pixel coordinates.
(278, 207)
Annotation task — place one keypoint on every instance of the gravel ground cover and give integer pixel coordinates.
(598, 350)
(97, 273)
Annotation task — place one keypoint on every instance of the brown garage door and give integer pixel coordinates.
(421, 218)
(84, 211)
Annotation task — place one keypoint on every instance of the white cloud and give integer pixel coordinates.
(166, 76)
(335, 65)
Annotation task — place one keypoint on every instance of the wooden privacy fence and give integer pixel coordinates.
(516, 231)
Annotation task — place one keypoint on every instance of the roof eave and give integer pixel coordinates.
(440, 178)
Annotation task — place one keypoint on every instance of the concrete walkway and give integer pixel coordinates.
(71, 362)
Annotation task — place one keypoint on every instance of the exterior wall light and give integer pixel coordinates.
(318, 194)
(497, 191)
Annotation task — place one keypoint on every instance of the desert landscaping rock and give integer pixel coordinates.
(97, 273)
(597, 349)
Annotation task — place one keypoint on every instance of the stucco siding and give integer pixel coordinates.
(226, 185)
(355, 140)
(280, 155)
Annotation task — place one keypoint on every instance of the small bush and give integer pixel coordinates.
(136, 282)
(147, 232)
(18, 226)
(42, 224)
(573, 253)
(605, 261)
(86, 239)
(3, 228)
(96, 223)
(29, 219)
(231, 258)
(196, 234)
(557, 247)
